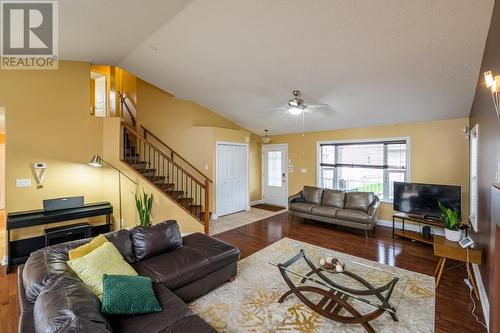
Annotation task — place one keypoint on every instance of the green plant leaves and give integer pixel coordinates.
(144, 204)
(450, 217)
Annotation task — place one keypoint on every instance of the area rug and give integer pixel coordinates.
(250, 303)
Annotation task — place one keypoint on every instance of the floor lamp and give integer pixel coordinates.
(97, 162)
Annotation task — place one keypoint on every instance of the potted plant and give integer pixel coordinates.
(144, 204)
(451, 220)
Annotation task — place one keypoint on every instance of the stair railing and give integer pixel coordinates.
(166, 174)
(124, 105)
(148, 135)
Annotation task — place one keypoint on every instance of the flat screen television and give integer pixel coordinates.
(422, 199)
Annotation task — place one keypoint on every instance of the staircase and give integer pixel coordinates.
(170, 173)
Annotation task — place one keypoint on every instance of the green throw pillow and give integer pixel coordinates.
(128, 295)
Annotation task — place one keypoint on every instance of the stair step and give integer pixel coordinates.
(194, 208)
(201, 215)
(146, 172)
(156, 179)
(185, 202)
(175, 194)
(166, 186)
(139, 165)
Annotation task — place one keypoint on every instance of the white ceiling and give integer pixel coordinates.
(375, 62)
(105, 31)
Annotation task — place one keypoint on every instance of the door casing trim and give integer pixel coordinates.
(284, 145)
(247, 172)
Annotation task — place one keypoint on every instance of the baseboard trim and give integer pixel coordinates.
(483, 297)
(409, 226)
(5, 260)
(256, 202)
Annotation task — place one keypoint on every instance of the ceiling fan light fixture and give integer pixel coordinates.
(295, 111)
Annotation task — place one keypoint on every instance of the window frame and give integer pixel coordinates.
(474, 165)
(407, 139)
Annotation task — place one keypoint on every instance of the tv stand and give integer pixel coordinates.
(413, 235)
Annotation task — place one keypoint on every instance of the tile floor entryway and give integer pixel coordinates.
(239, 219)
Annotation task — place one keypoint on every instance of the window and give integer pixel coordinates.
(274, 168)
(363, 166)
(474, 134)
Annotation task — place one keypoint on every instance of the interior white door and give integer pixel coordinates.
(275, 174)
(231, 179)
(100, 96)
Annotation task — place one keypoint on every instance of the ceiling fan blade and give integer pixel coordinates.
(278, 108)
(318, 106)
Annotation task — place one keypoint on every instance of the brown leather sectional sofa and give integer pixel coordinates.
(54, 299)
(358, 210)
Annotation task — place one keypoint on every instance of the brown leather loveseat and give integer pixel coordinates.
(54, 299)
(358, 210)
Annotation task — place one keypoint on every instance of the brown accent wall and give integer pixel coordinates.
(483, 113)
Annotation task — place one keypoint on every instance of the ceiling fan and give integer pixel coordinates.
(296, 105)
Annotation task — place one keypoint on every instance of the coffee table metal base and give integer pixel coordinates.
(334, 300)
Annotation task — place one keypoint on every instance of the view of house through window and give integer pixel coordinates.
(363, 166)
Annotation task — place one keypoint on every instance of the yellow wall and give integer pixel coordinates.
(163, 208)
(48, 120)
(439, 153)
(192, 130)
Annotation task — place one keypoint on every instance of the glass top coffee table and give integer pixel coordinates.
(358, 294)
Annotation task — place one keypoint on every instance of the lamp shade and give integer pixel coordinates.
(265, 139)
(96, 161)
(488, 77)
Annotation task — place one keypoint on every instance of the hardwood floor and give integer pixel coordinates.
(453, 305)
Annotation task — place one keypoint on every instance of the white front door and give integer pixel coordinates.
(231, 178)
(275, 174)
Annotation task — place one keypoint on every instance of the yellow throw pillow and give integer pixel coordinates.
(104, 260)
(87, 248)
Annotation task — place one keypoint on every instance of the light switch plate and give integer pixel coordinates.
(303, 170)
(23, 182)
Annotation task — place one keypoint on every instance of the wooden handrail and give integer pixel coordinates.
(124, 102)
(133, 131)
(173, 152)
